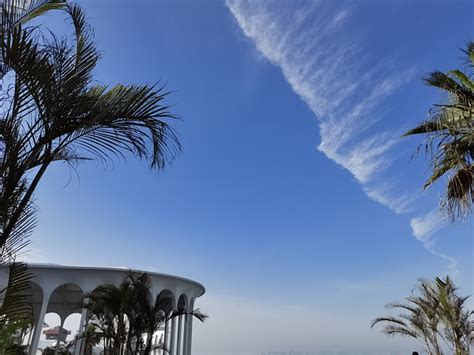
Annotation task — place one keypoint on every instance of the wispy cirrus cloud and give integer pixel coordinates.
(327, 67)
(383, 193)
(330, 74)
(423, 229)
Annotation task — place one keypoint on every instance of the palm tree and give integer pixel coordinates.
(108, 306)
(449, 136)
(15, 309)
(91, 338)
(126, 317)
(54, 112)
(435, 316)
(459, 329)
(151, 314)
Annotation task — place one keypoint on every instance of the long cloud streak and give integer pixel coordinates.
(327, 68)
(324, 72)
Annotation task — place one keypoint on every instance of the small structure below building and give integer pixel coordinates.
(56, 333)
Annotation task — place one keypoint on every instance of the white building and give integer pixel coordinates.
(60, 289)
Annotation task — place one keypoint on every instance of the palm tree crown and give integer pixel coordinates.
(449, 135)
(54, 112)
(436, 317)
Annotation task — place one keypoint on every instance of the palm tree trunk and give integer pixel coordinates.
(23, 203)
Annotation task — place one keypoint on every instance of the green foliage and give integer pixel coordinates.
(10, 336)
(123, 315)
(54, 113)
(51, 350)
(21, 11)
(15, 309)
(435, 315)
(91, 338)
(449, 136)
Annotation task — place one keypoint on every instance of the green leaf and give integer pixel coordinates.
(463, 78)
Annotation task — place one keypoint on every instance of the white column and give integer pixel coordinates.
(166, 336)
(77, 350)
(39, 324)
(30, 335)
(185, 334)
(189, 328)
(173, 337)
(179, 344)
(189, 334)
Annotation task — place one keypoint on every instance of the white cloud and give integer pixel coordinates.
(329, 73)
(452, 262)
(382, 193)
(423, 229)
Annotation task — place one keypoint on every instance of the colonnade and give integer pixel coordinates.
(60, 289)
(177, 333)
(177, 337)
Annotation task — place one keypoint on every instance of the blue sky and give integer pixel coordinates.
(294, 201)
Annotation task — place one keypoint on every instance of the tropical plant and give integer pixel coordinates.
(53, 350)
(11, 337)
(91, 338)
(15, 313)
(449, 133)
(16, 12)
(22, 11)
(52, 111)
(108, 306)
(13, 14)
(436, 316)
(125, 317)
(151, 314)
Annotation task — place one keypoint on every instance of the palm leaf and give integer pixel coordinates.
(463, 79)
(58, 115)
(16, 12)
(21, 11)
(449, 138)
(432, 314)
(16, 314)
(469, 53)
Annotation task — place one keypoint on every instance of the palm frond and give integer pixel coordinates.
(16, 12)
(57, 114)
(16, 314)
(434, 313)
(445, 82)
(449, 138)
(21, 11)
(460, 192)
(469, 53)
